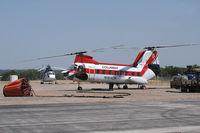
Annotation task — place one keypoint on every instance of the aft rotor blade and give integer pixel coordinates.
(170, 46)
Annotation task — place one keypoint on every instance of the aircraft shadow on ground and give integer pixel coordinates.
(173, 91)
(106, 89)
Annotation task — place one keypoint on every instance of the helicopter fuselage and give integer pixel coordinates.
(48, 76)
(145, 67)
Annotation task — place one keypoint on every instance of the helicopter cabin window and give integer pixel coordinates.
(104, 72)
(133, 73)
(98, 71)
(127, 73)
(138, 74)
(116, 72)
(110, 72)
(121, 72)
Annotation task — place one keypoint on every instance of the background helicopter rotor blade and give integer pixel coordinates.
(44, 67)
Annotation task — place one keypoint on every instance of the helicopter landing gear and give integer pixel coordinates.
(79, 87)
(118, 86)
(125, 87)
(41, 82)
(141, 86)
(111, 86)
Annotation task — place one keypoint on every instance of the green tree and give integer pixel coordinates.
(30, 74)
(59, 76)
(6, 75)
(196, 66)
(170, 71)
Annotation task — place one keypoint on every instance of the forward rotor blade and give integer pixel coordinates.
(68, 54)
(117, 47)
(96, 50)
(41, 58)
(103, 49)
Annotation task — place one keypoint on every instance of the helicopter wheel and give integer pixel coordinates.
(125, 87)
(41, 82)
(111, 86)
(79, 88)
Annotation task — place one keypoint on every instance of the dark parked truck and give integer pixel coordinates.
(189, 82)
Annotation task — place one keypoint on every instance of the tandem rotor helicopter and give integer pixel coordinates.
(85, 68)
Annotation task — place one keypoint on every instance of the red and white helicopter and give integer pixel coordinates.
(145, 67)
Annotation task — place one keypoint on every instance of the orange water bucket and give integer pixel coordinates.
(19, 87)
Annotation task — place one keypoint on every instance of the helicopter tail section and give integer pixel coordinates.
(145, 58)
(148, 62)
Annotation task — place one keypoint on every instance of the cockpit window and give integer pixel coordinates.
(73, 67)
(51, 72)
(80, 68)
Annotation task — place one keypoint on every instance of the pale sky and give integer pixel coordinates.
(37, 28)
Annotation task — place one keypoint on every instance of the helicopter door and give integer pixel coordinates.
(121, 74)
(91, 74)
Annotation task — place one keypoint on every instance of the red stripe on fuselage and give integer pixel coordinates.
(125, 73)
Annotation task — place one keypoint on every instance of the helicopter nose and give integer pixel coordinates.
(69, 75)
(66, 73)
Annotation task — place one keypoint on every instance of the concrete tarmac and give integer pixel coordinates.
(127, 117)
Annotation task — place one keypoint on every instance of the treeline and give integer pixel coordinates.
(28, 74)
(170, 71)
